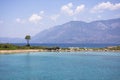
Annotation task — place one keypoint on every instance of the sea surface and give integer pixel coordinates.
(60, 66)
(66, 45)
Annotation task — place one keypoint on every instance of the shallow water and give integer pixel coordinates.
(60, 66)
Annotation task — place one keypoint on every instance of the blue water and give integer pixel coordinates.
(64, 45)
(60, 66)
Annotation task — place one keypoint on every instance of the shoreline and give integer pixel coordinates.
(18, 51)
(10, 48)
(40, 50)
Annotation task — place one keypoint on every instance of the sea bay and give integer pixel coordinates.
(66, 45)
(60, 66)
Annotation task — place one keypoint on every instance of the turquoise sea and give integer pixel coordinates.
(60, 66)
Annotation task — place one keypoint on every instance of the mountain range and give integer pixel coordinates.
(102, 31)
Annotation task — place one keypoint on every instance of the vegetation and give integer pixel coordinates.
(7, 47)
(27, 37)
(114, 48)
(15, 47)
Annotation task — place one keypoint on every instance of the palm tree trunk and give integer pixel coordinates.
(28, 43)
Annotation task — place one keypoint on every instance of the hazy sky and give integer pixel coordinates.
(21, 17)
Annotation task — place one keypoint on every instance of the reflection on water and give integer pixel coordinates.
(60, 66)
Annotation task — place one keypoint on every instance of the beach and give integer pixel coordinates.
(18, 51)
(61, 50)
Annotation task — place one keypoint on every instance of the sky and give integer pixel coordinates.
(19, 18)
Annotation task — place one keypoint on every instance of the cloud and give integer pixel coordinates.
(105, 6)
(18, 20)
(54, 17)
(41, 12)
(35, 18)
(68, 9)
(79, 9)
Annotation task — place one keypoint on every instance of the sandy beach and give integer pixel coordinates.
(40, 50)
(18, 51)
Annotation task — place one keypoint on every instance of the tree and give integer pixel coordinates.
(27, 37)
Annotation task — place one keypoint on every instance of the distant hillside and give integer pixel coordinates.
(103, 31)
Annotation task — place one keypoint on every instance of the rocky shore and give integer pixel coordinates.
(59, 50)
(9, 48)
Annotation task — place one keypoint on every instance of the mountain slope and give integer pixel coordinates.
(104, 31)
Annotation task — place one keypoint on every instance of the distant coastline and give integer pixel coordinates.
(10, 48)
(66, 45)
(40, 50)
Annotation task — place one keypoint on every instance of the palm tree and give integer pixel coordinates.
(27, 37)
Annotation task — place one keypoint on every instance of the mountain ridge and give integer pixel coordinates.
(100, 31)
(82, 32)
